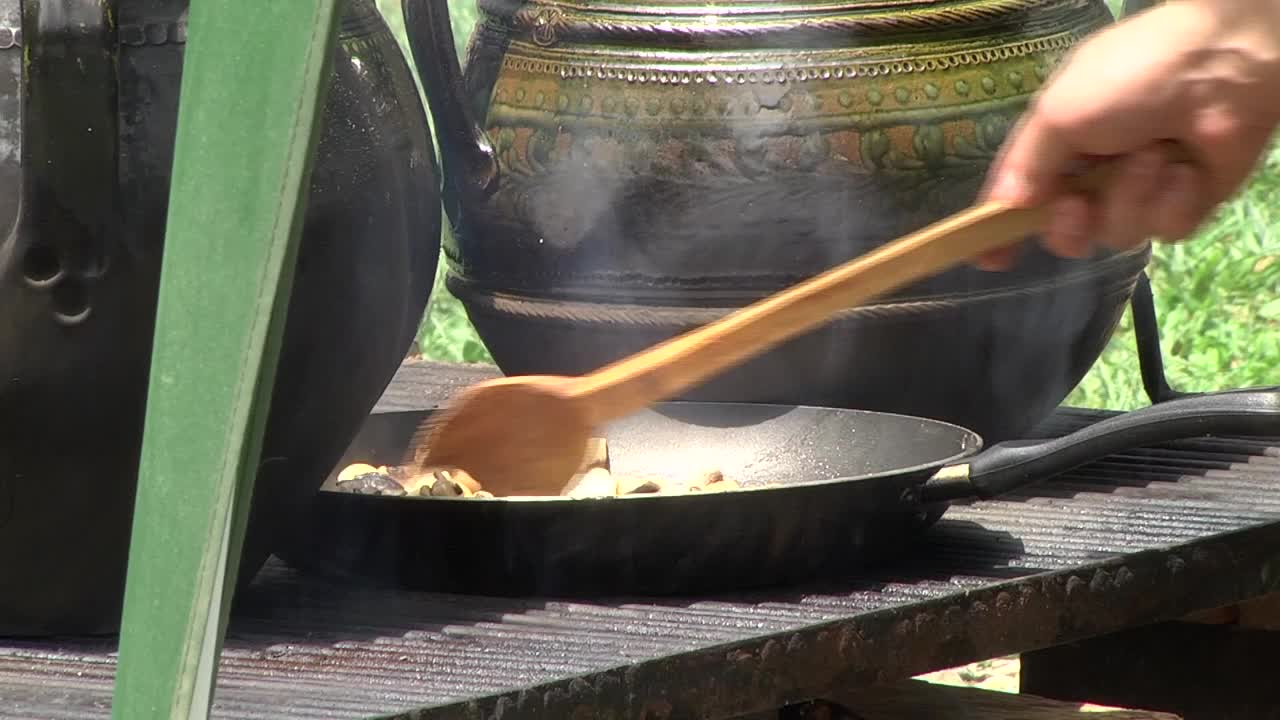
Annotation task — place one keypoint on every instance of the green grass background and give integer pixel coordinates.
(1217, 294)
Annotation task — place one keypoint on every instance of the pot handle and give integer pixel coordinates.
(1012, 464)
(1146, 328)
(69, 208)
(470, 164)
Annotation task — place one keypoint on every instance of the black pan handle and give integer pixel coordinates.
(1010, 465)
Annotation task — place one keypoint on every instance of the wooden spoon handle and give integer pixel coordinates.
(689, 359)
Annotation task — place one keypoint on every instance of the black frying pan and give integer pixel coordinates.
(853, 487)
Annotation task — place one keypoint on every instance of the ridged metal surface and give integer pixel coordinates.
(300, 648)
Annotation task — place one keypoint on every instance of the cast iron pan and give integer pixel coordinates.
(851, 488)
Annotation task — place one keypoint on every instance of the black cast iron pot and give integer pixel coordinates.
(622, 171)
(86, 143)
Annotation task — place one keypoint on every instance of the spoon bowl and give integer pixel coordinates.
(535, 426)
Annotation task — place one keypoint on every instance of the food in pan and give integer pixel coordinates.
(594, 478)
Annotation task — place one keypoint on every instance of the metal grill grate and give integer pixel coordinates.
(300, 648)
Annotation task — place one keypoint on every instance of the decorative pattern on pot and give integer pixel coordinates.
(622, 170)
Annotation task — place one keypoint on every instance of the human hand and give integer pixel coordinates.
(1203, 73)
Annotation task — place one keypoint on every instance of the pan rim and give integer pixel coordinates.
(972, 444)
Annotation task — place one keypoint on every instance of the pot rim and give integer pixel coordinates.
(747, 22)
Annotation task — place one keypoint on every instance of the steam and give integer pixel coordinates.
(694, 180)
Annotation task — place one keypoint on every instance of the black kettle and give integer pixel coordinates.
(86, 142)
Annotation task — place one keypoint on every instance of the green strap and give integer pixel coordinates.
(253, 82)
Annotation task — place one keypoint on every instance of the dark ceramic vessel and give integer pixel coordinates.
(86, 143)
(620, 172)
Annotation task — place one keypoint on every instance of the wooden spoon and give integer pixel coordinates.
(526, 435)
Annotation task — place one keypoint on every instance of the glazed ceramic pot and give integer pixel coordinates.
(86, 143)
(619, 172)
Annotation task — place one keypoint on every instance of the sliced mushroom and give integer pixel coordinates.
(403, 474)
(701, 479)
(720, 483)
(371, 483)
(639, 484)
(594, 479)
(423, 482)
(462, 477)
(596, 455)
(596, 482)
(445, 486)
(355, 470)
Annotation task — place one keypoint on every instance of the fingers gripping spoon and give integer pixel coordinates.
(526, 435)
